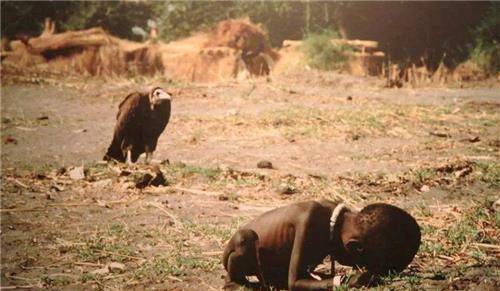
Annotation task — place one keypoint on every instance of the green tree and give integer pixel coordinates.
(180, 19)
(485, 51)
(116, 17)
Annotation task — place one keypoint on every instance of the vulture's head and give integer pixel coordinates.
(158, 95)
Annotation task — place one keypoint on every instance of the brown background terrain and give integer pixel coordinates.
(432, 151)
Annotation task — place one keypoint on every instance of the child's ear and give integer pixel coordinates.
(354, 246)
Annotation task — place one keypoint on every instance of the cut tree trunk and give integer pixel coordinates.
(89, 37)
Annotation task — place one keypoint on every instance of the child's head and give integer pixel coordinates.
(383, 238)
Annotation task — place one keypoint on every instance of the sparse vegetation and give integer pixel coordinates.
(321, 145)
(185, 171)
(179, 263)
(423, 175)
(111, 245)
(490, 173)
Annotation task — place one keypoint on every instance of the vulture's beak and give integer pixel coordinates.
(163, 95)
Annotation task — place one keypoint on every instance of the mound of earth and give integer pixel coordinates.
(234, 47)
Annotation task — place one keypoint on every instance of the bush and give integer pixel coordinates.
(322, 54)
(487, 57)
(486, 49)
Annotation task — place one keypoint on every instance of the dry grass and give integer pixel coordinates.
(56, 231)
(159, 242)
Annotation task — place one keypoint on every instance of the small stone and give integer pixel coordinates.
(264, 164)
(474, 139)
(9, 139)
(440, 134)
(496, 205)
(102, 203)
(43, 117)
(225, 168)
(56, 188)
(102, 183)
(223, 197)
(116, 267)
(77, 173)
(424, 188)
(102, 271)
(127, 185)
(349, 98)
(286, 189)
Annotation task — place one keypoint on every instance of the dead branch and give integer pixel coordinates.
(41, 208)
(162, 209)
(196, 191)
(49, 27)
(18, 287)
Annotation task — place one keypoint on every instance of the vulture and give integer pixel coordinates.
(141, 119)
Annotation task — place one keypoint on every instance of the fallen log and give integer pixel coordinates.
(369, 45)
(90, 37)
(363, 44)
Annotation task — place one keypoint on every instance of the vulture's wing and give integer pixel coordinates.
(127, 121)
(124, 101)
(130, 111)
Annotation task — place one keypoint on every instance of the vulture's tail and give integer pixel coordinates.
(114, 152)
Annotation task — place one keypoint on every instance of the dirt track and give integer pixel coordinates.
(327, 135)
(239, 123)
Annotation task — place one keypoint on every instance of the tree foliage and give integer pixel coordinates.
(322, 54)
(405, 30)
(175, 19)
(485, 51)
(27, 17)
(116, 17)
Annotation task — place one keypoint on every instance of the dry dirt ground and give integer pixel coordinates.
(432, 151)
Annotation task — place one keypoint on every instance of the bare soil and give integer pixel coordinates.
(432, 151)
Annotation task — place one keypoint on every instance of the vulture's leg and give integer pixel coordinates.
(149, 154)
(148, 158)
(129, 157)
